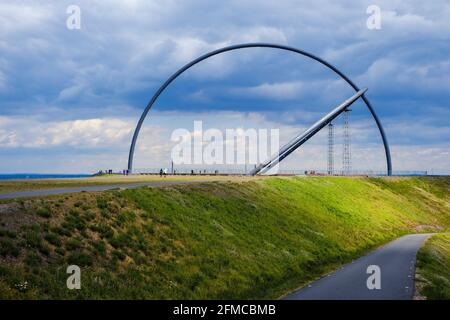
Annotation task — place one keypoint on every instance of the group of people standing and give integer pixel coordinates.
(163, 172)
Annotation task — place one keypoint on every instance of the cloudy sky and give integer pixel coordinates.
(69, 99)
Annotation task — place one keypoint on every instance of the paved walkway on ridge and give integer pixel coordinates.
(397, 264)
(49, 192)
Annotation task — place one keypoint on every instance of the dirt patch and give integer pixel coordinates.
(419, 283)
(428, 227)
(14, 215)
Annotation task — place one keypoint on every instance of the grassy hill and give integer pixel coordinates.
(248, 239)
(7, 186)
(433, 268)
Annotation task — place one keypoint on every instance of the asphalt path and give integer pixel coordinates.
(396, 262)
(56, 191)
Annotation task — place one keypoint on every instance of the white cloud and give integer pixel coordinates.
(394, 75)
(70, 92)
(21, 17)
(278, 91)
(403, 25)
(259, 34)
(90, 133)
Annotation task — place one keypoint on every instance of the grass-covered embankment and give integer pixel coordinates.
(252, 239)
(7, 186)
(433, 268)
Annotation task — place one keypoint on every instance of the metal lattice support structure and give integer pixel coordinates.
(346, 147)
(330, 162)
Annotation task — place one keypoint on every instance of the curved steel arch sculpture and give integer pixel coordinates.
(256, 45)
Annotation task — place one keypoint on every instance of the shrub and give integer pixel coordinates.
(99, 247)
(102, 203)
(44, 212)
(80, 259)
(8, 248)
(124, 217)
(61, 251)
(118, 255)
(74, 221)
(44, 249)
(8, 233)
(33, 259)
(89, 215)
(33, 238)
(113, 208)
(119, 241)
(53, 238)
(61, 231)
(149, 227)
(104, 230)
(73, 244)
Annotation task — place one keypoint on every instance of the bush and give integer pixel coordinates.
(53, 239)
(33, 238)
(8, 248)
(89, 215)
(61, 251)
(125, 217)
(80, 259)
(33, 259)
(61, 231)
(120, 241)
(149, 228)
(118, 255)
(74, 221)
(99, 247)
(73, 244)
(104, 230)
(8, 233)
(44, 212)
(102, 203)
(44, 249)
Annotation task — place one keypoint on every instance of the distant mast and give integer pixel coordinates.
(330, 159)
(346, 152)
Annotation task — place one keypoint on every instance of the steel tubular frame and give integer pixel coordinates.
(255, 45)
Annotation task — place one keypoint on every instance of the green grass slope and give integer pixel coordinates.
(215, 240)
(433, 268)
(7, 186)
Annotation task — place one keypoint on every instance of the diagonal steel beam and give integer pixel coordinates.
(292, 145)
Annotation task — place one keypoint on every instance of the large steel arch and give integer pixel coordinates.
(256, 45)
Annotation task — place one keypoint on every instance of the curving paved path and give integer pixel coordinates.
(49, 192)
(397, 265)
